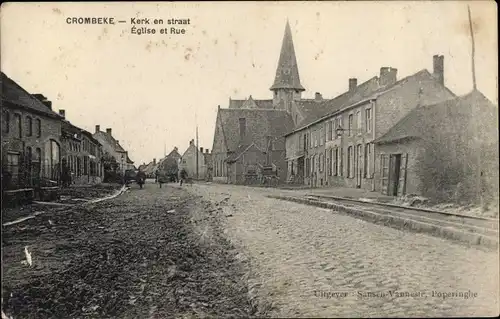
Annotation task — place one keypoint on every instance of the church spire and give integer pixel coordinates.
(287, 73)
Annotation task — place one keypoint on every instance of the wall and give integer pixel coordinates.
(413, 148)
(50, 130)
(188, 162)
(394, 105)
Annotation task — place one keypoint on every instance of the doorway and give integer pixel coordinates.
(394, 175)
(358, 166)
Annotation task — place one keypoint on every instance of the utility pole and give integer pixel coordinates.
(196, 122)
(474, 86)
(477, 139)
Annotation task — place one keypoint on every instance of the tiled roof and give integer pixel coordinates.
(241, 150)
(259, 125)
(15, 94)
(364, 92)
(260, 104)
(424, 120)
(111, 141)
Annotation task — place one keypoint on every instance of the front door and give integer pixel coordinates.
(300, 169)
(359, 166)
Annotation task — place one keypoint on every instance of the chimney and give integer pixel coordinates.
(62, 113)
(438, 63)
(108, 130)
(117, 142)
(154, 161)
(201, 149)
(353, 84)
(39, 97)
(206, 151)
(318, 96)
(47, 104)
(191, 142)
(388, 76)
(97, 128)
(242, 128)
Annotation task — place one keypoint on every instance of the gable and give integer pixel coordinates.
(219, 145)
(259, 125)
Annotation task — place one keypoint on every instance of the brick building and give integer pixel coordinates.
(190, 158)
(335, 147)
(30, 138)
(81, 152)
(448, 149)
(112, 149)
(250, 133)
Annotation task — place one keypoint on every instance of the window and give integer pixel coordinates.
(17, 125)
(341, 162)
(38, 127)
(307, 168)
(335, 162)
(368, 119)
(29, 124)
(329, 131)
(350, 124)
(5, 121)
(321, 161)
(330, 161)
(29, 155)
(242, 127)
(350, 162)
(339, 122)
(321, 136)
(358, 122)
(367, 160)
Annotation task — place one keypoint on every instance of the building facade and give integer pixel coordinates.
(31, 154)
(337, 148)
(441, 151)
(81, 153)
(112, 150)
(193, 162)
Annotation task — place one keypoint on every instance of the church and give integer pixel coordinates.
(249, 134)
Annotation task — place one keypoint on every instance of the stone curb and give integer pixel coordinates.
(401, 223)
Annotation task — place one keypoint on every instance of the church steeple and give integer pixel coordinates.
(287, 72)
(287, 87)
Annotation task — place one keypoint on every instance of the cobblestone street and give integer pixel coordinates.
(304, 258)
(210, 249)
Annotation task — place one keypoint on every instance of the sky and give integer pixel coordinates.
(152, 89)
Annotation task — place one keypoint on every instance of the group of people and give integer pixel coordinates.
(161, 177)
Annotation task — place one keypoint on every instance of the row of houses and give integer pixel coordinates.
(381, 135)
(197, 162)
(41, 147)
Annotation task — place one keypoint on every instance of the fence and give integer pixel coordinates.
(30, 175)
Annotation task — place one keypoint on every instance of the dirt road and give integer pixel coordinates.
(150, 253)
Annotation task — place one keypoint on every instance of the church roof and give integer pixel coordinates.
(258, 104)
(259, 125)
(287, 72)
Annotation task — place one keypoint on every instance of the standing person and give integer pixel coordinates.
(183, 175)
(156, 176)
(162, 178)
(141, 178)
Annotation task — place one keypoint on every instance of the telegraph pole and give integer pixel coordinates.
(473, 51)
(477, 139)
(196, 122)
